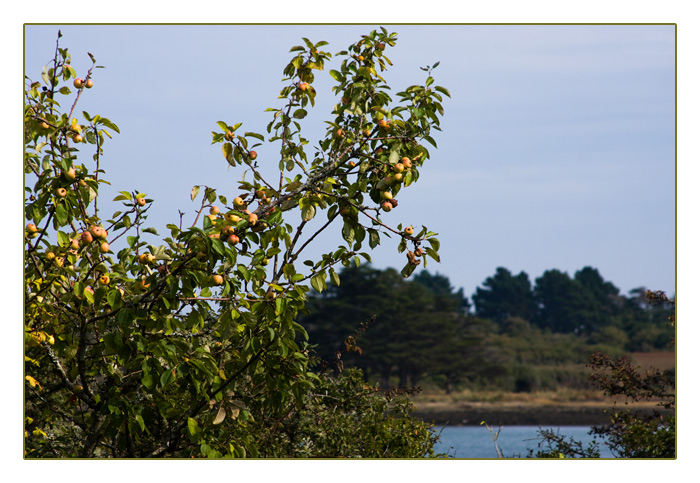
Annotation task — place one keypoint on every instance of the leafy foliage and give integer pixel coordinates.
(191, 347)
(629, 434)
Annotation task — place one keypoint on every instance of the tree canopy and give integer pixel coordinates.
(189, 345)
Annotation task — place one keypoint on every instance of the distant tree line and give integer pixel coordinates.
(513, 335)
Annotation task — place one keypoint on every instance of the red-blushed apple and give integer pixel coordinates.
(406, 162)
(104, 247)
(238, 202)
(78, 83)
(140, 201)
(386, 206)
(98, 232)
(104, 280)
(252, 218)
(88, 83)
(233, 239)
(217, 279)
(408, 230)
(253, 155)
(86, 238)
(61, 192)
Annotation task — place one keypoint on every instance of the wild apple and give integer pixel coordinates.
(78, 138)
(61, 192)
(141, 201)
(387, 195)
(233, 239)
(104, 247)
(98, 232)
(238, 202)
(386, 206)
(86, 238)
(78, 83)
(406, 162)
(253, 155)
(399, 167)
(146, 258)
(88, 83)
(252, 218)
(408, 230)
(69, 175)
(233, 218)
(32, 229)
(104, 280)
(217, 279)
(384, 124)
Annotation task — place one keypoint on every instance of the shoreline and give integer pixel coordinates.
(519, 414)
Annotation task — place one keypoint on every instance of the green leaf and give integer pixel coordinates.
(348, 232)
(223, 126)
(227, 149)
(192, 426)
(109, 124)
(337, 76)
(408, 269)
(62, 238)
(255, 135)
(335, 278)
(218, 246)
(374, 238)
(443, 90)
(194, 193)
(299, 114)
(435, 243)
(318, 281)
(433, 254)
(142, 424)
(308, 212)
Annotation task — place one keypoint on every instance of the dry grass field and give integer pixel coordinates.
(564, 406)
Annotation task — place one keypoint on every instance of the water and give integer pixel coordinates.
(514, 441)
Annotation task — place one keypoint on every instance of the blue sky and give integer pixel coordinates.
(557, 150)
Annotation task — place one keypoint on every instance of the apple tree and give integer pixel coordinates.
(191, 347)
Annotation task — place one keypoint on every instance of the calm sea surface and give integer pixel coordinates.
(514, 441)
